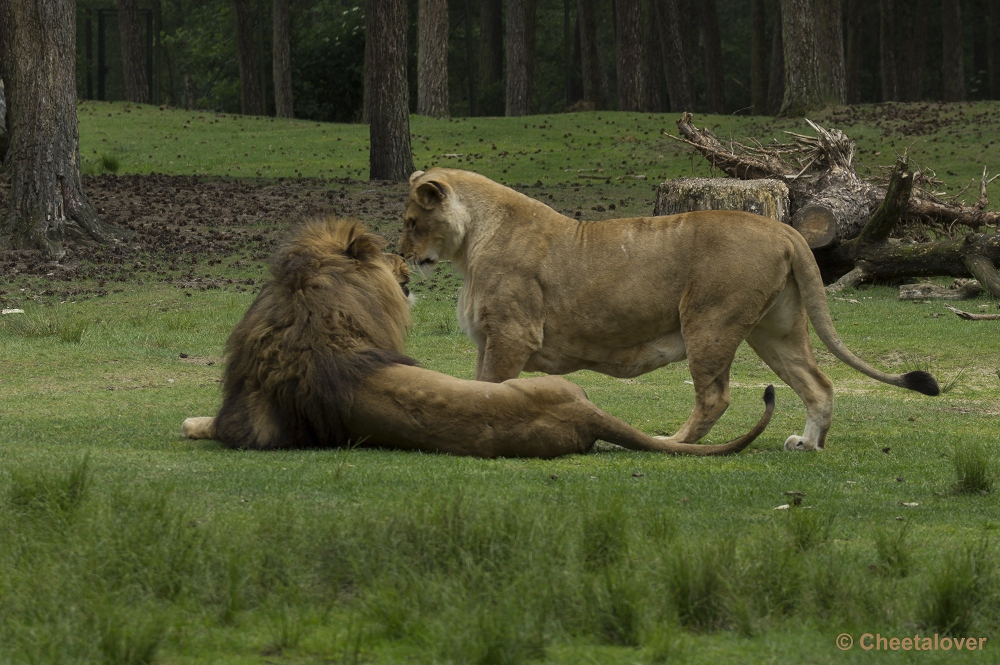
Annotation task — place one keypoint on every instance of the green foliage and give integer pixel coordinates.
(960, 589)
(894, 551)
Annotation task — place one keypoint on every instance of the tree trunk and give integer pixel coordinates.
(432, 58)
(251, 102)
(714, 78)
(887, 49)
(6, 73)
(652, 74)
(133, 54)
(47, 205)
(758, 64)
(281, 60)
(814, 55)
(470, 60)
(491, 56)
(520, 56)
(675, 25)
(590, 64)
(628, 54)
(389, 99)
(768, 198)
(994, 51)
(853, 54)
(911, 22)
(952, 58)
(776, 79)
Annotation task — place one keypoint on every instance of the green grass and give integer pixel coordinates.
(121, 542)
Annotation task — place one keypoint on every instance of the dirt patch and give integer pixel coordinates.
(176, 228)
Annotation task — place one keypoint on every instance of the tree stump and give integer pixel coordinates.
(762, 197)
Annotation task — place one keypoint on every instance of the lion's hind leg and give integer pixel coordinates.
(783, 343)
(202, 427)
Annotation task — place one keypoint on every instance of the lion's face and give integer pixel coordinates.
(401, 272)
(433, 228)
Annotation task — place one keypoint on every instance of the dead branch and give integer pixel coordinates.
(969, 316)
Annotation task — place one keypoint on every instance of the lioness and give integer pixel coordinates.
(317, 362)
(544, 292)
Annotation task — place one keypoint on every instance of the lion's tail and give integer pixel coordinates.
(813, 295)
(627, 436)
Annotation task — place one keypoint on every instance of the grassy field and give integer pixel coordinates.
(120, 542)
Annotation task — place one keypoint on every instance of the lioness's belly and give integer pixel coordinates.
(559, 357)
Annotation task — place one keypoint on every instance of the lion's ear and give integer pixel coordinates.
(430, 194)
(364, 246)
(414, 176)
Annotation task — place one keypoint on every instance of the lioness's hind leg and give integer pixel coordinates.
(199, 428)
(789, 353)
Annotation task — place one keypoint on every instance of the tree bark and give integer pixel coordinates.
(491, 54)
(432, 58)
(628, 54)
(133, 54)
(814, 55)
(952, 57)
(776, 79)
(389, 99)
(281, 60)
(714, 78)
(911, 22)
(520, 56)
(590, 65)
(675, 23)
(652, 75)
(47, 205)
(887, 49)
(994, 51)
(251, 102)
(853, 52)
(758, 63)
(768, 198)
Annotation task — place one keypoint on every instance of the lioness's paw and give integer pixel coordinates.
(797, 443)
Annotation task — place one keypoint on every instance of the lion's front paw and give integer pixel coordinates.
(199, 428)
(797, 443)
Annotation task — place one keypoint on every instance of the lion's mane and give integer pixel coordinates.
(330, 315)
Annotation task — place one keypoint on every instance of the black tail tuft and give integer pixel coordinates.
(922, 382)
(769, 394)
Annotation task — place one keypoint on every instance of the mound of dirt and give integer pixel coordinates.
(172, 225)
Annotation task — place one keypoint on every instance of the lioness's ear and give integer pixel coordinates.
(414, 176)
(430, 194)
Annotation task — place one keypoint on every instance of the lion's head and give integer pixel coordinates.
(332, 312)
(433, 222)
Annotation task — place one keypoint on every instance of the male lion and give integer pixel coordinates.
(317, 362)
(543, 292)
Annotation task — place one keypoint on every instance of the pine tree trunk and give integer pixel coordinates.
(887, 49)
(590, 65)
(993, 68)
(520, 56)
(432, 58)
(389, 99)
(47, 205)
(952, 58)
(714, 78)
(251, 103)
(281, 60)
(133, 54)
(776, 78)
(628, 54)
(675, 25)
(911, 22)
(652, 74)
(491, 51)
(814, 55)
(758, 63)
(853, 52)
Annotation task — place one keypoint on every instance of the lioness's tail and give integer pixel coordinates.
(814, 297)
(627, 436)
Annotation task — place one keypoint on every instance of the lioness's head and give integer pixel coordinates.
(434, 220)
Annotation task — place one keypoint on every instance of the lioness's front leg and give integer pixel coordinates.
(499, 359)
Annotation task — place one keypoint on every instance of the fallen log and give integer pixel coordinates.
(969, 316)
(960, 289)
(829, 202)
(768, 198)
